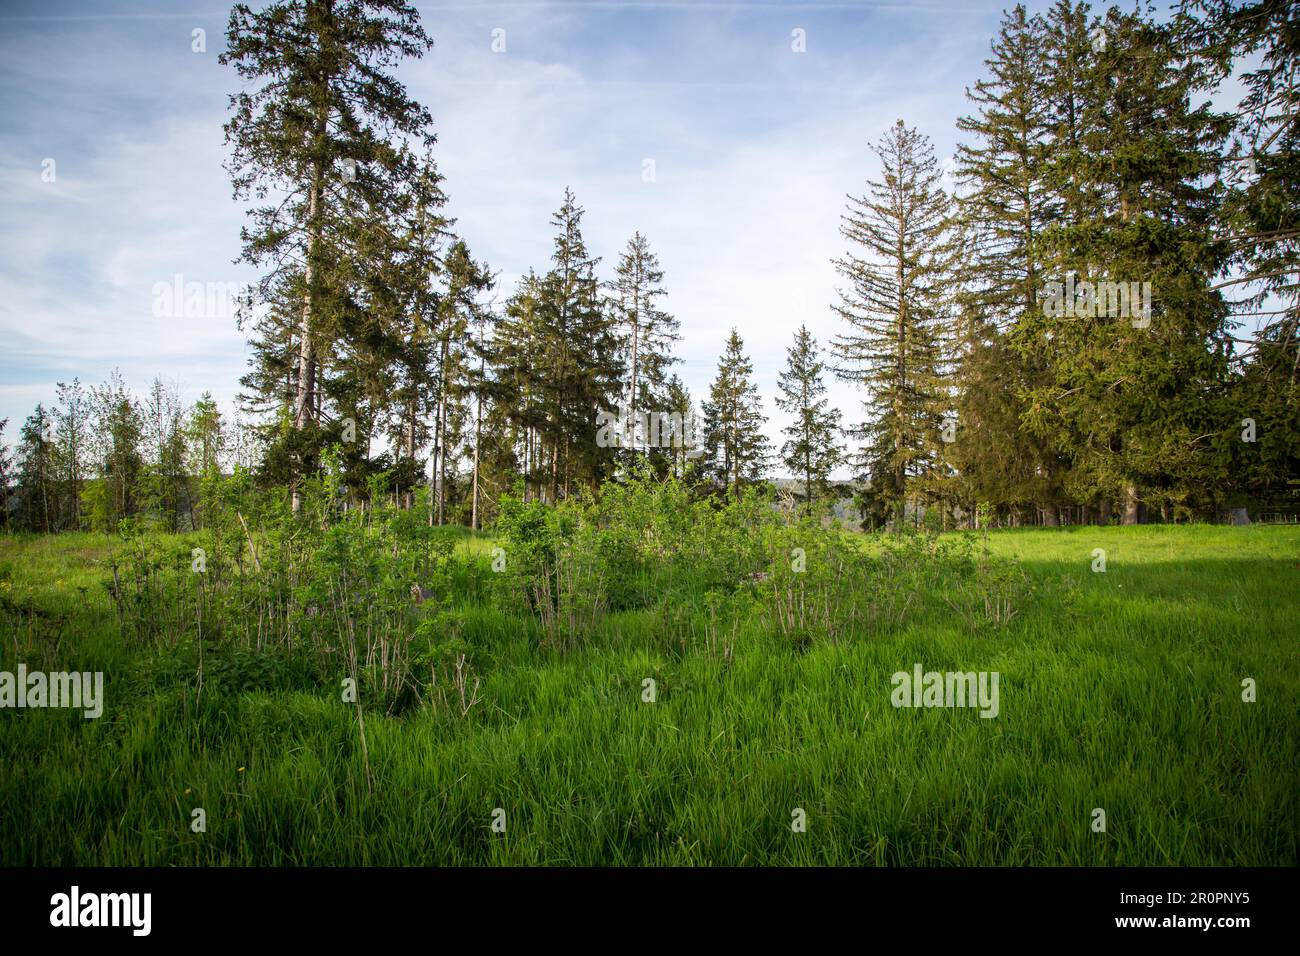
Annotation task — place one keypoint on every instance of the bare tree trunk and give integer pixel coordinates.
(478, 433)
(1132, 514)
(410, 448)
(305, 399)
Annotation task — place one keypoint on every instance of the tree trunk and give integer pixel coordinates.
(306, 388)
(1132, 514)
(478, 437)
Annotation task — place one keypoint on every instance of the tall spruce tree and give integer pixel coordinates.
(1135, 400)
(320, 124)
(1259, 41)
(581, 371)
(1004, 204)
(895, 305)
(646, 332)
(460, 311)
(516, 350)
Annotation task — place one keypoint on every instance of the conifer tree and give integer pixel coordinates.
(516, 350)
(646, 332)
(735, 449)
(581, 371)
(675, 459)
(320, 123)
(459, 310)
(206, 436)
(1004, 204)
(896, 268)
(1135, 399)
(812, 449)
(6, 476)
(1259, 216)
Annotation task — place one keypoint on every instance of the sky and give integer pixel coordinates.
(112, 185)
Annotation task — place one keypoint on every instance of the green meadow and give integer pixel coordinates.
(1119, 691)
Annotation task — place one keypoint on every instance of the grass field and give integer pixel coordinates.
(1119, 690)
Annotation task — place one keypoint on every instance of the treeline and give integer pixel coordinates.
(1093, 314)
(101, 455)
(1058, 337)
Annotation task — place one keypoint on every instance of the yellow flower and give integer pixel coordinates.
(187, 791)
(240, 770)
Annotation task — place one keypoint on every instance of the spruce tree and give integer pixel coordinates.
(72, 427)
(1136, 400)
(581, 370)
(895, 304)
(459, 310)
(675, 459)
(320, 124)
(1004, 204)
(812, 449)
(1259, 217)
(736, 451)
(516, 351)
(646, 332)
(6, 477)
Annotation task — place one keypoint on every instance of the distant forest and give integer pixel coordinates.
(1091, 317)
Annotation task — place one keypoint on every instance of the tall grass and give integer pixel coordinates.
(1120, 691)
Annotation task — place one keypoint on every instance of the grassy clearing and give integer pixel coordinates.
(1119, 690)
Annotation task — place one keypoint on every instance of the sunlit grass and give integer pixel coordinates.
(1119, 691)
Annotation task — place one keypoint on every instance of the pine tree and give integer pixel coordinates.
(812, 449)
(1135, 400)
(1004, 207)
(581, 371)
(675, 459)
(735, 449)
(897, 265)
(316, 125)
(647, 333)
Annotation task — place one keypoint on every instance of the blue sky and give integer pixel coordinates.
(754, 148)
